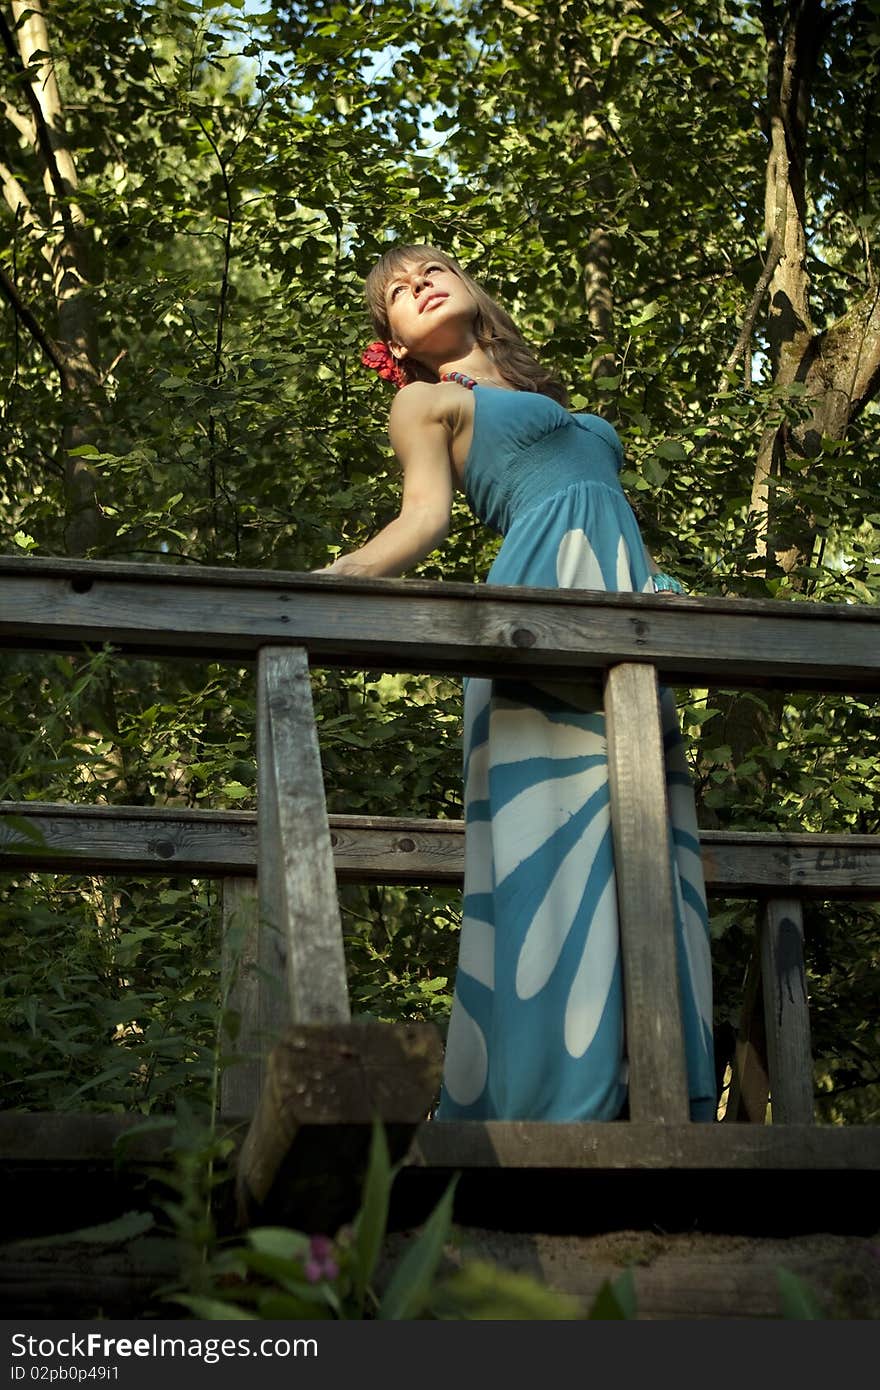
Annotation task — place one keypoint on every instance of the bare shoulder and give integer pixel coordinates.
(418, 403)
(425, 405)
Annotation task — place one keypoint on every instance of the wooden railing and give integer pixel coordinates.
(628, 641)
(222, 845)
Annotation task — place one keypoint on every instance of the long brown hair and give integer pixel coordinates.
(494, 329)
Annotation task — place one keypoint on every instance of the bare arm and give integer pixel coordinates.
(421, 442)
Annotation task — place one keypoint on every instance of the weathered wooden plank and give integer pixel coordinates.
(640, 821)
(497, 1144)
(682, 1275)
(214, 844)
(52, 1138)
(88, 1279)
(127, 839)
(304, 1156)
(750, 1084)
(388, 849)
(786, 1012)
(818, 866)
(301, 932)
(242, 987)
(408, 625)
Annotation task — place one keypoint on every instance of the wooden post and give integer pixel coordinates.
(786, 1012)
(305, 1153)
(326, 1079)
(241, 1078)
(300, 928)
(749, 1083)
(640, 819)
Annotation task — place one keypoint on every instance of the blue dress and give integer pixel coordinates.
(536, 1031)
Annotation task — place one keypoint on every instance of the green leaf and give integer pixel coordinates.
(16, 831)
(118, 1232)
(699, 716)
(410, 1285)
(670, 449)
(212, 1309)
(615, 1300)
(797, 1298)
(655, 473)
(649, 312)
(480, 1290)
(278, 1241)
(284, 1306)
(372, 1218)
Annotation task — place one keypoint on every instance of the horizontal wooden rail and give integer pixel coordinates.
(379, 849)
(50, 1137)
(417, 625)
(511, 1144)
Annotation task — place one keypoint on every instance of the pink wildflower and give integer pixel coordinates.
(320, 1264)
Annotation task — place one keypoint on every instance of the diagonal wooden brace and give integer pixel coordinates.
(300, 928)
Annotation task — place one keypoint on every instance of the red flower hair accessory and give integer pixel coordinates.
(379, 358)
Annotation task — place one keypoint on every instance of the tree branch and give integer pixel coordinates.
(847, 354)
(28, 320)
(21, 207)
(866, 369)
(518, 10)
(23, 124)
(741, 348)
(43, 128)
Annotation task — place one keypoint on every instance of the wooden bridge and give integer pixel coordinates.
(309, 1079)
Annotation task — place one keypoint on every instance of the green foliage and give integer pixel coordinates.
(797, 1298)
(481, 1291)
(123, 1228)
(109, 998)
(372, 1219)
(616, 1300)
(409, 1288)
(275, 1272)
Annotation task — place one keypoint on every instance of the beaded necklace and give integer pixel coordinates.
(463, 380)
(471, 381)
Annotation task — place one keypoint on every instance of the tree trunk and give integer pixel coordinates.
(598, 261)
(839, 367)
(67, 245)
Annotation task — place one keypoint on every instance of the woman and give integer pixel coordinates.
(537, 1022)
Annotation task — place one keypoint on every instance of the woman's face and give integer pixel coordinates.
(430, 311)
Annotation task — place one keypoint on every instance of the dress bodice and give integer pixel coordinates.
(526, 448)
